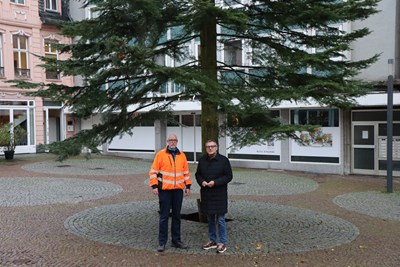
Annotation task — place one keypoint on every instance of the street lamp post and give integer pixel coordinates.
(389, 144)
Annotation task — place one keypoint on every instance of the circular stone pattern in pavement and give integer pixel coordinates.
(265, 183)
(372, 203)
(94, 166)
(23, 191)
(253, 228)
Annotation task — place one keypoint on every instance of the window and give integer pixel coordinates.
(173, 120)
(323, 117)
(51, 52)
(1, 58)
(231, 2)
(51, 5)
(92, 13)
(20, 49)
(177, 88)
(233, 53)
(159, 59)
(18, 1)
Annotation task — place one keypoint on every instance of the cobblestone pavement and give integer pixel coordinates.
(100, 212)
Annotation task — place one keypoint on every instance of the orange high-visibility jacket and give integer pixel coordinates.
(174, 173)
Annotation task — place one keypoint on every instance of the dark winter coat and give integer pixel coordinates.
(214, 200)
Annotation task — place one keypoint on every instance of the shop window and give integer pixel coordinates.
(251, 120)
(322, 117)
(187, 120)
(4, 117)
(173, 120)
(197, 120)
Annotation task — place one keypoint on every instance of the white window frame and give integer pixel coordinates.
(233, 52)
(21, 2)
(21, 51)
(51, 40)
(90, 14)
(1, 57)
(52, 5)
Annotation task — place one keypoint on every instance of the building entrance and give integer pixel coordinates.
(369, 142)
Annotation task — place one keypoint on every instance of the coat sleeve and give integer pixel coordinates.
(198, 175)
(227, 177)
(188, 181)
(154, 170)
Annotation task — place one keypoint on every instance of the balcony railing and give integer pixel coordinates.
(52, 75)
(22, 73)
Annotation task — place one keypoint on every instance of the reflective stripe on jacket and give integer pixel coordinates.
(174, 173)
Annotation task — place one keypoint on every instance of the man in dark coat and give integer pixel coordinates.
(213, 174)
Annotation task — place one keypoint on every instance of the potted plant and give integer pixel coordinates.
(10, 137)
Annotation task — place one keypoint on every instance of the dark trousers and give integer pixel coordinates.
(170, 200)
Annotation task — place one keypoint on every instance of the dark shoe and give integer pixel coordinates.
(210, 245)
(161, 248)
(221, 248)
(179, 245)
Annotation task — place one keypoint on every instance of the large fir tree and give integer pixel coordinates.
(283, 39)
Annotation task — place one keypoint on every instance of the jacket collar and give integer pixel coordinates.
(177, 151)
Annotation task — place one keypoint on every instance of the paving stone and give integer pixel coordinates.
(372, 203)
(94, 166)
(253, 228)
(31, 191)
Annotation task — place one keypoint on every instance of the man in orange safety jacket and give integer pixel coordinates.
(169, 178)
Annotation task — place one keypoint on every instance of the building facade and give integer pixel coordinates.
(348, 142)
(26, 30)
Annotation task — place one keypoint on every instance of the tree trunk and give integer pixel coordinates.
(208, 64)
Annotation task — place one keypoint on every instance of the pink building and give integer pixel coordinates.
(26, 30)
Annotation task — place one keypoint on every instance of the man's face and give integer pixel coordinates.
(211, 148)
(172, 141)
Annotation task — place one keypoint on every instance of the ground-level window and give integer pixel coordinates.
(322, 117)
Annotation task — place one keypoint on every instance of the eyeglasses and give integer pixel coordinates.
(211, 146)
(173, 140)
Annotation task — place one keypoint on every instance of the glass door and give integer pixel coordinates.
(364, 160)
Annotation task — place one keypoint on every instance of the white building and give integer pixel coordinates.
(350, 141)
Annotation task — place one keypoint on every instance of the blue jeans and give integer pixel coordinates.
(213, 221)
(170, 200)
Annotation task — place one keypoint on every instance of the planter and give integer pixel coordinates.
(9, 155)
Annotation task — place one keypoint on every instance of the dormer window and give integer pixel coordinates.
(51, 5)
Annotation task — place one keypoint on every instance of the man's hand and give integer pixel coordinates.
(187, 192)
(209, 184)
(155, 191)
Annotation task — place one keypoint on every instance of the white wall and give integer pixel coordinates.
(382, 41)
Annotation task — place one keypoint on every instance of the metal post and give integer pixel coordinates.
(389, 146)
